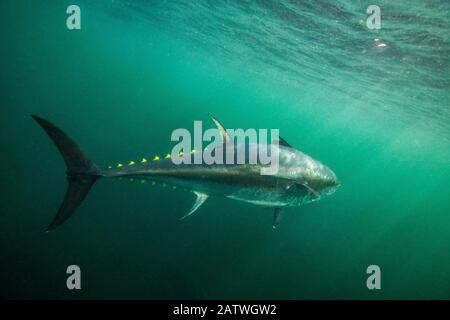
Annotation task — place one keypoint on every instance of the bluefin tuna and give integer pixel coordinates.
(300, 179)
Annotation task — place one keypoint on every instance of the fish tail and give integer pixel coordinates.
(81, 172)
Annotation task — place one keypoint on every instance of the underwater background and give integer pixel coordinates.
(377, 115)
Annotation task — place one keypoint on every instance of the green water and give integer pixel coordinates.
(378, 116)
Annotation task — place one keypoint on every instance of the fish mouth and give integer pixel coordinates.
(332, 180)
(337, 183)
(330, 190)
(334, 184)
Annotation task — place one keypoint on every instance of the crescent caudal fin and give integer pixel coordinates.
(81, 171)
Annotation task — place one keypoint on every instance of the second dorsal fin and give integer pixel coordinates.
(224, 134)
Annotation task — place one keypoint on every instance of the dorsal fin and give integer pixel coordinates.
(283, 142)
(225, 136)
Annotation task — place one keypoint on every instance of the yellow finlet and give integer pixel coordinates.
(167, 156)
(155, 158)
(109, 167)
(131, 163)
(143, 160)
(193, 151)
(181, 153)
(119, 165)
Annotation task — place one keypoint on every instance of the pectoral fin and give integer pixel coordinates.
(311, 189)
(304, 186)
(201, 198)
(276, 217)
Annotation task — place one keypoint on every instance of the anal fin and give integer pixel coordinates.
(201, 198)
